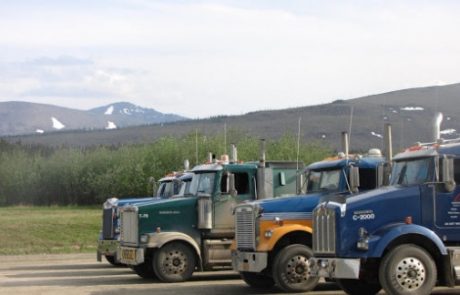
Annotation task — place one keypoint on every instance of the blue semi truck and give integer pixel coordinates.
(273, 237)
(173, 185)
(404, 238)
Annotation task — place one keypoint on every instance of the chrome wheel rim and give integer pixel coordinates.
(410, 273)
(174, 262)
(297, 269)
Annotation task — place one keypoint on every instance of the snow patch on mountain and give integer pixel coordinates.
(57, 124)
(110, 125)
(412, 109)
(448, 131)
(109, 110)
(40, 131)
(376, 134)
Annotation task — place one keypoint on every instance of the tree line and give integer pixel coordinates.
(42, 175)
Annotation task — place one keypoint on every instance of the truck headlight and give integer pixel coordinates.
(268, 234)
(363, 242)
(144, 238)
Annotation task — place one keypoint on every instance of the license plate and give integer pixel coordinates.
(128, 255)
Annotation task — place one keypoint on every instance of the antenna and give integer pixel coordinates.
(351, 123)
(196, 146)
(225, 138)
(298, 143)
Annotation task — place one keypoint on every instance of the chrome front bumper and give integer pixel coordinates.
(249, 261)
(107, 248)
(334, 268)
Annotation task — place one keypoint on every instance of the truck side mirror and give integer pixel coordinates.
(448, 174)
(231, 184)
(153, 182)
(301, 189)
(354, 179)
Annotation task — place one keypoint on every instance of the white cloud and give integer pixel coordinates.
(229, 56)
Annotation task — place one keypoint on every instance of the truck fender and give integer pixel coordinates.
(279, 232)
(380, 240)
(157, 240)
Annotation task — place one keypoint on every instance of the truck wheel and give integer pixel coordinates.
(290, 269)
(144, 270)
(257, 280)
(112, 260)
(174, 262)
(358, 287)
(408, 269)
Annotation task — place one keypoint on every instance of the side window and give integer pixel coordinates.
(242, 183)
(367, 179)
(223, 184)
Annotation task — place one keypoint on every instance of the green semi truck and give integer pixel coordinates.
(172, 238)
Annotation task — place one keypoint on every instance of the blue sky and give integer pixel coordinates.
(204, 58)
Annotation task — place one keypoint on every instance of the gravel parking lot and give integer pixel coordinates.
(82, 274)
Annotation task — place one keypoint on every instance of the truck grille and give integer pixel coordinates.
(107, 224)
(324, 232)
(129, 226)
(245, 231)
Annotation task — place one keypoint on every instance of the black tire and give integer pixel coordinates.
(290, 269)
(257, 280)
(112, 260)
(358, 287)
(408, 269)
(174, 262)
(144, 270)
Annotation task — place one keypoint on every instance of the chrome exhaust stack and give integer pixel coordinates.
(388, 143)
(234, 158)
(437, 127)
(262, 154)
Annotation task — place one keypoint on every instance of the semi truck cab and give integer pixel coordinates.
(171, 238)
(274, 237)
(173, 185)
(404, 238)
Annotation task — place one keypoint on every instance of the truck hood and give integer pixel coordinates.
(373, 211)
(384, 193)
(130, 201)
(302, 203)
(162, 202)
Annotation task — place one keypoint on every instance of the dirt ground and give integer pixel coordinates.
(81, 274)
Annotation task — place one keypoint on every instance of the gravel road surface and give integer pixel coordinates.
(81, 274)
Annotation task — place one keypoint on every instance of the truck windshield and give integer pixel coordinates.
(169, 189)
(412, 171)
(202, 183)
(184, 189)
(323, 181)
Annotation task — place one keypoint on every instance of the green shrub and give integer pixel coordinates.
(37, 175)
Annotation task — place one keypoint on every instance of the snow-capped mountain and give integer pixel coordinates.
(18, 117)
(124, 114)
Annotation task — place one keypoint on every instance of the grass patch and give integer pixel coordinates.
(46, 230)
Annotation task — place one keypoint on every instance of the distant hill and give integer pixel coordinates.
(17, 118)
(410, 112)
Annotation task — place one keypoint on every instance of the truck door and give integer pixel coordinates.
(446, 207)
(224, 202)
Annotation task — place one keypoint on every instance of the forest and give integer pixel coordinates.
(44, 175)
